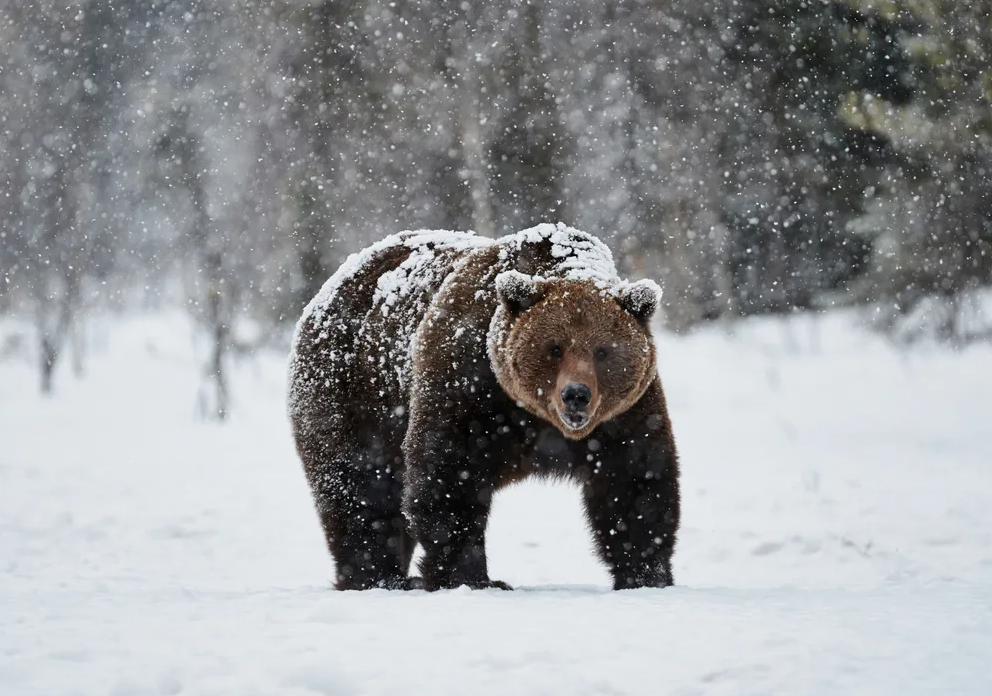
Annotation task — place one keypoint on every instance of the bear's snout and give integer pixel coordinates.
(576, 397)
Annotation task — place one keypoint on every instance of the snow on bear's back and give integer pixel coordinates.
(423, 244)
(336, 325)
(407, 270)
(576, 255)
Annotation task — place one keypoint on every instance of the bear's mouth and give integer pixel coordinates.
(574, 420)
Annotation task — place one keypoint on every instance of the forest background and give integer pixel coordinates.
(754, 156)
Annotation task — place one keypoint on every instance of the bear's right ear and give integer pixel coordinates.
(517, 291)
(641, 299)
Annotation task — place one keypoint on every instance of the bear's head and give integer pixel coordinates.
(570, 352)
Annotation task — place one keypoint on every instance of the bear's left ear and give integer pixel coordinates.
(640, 299)
(517, 290)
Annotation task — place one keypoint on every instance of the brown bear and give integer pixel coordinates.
(434, 368)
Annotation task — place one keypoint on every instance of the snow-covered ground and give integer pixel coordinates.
(837, 538)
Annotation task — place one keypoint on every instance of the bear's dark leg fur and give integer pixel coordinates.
(447, 500)
(454, 544)
(634, 529)
(632, 498)
(368, 537)
(358, 490)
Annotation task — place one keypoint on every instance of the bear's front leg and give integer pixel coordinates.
(634, 523)
(447, 501)
(633, 506)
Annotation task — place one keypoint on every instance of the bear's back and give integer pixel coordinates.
(351, 346)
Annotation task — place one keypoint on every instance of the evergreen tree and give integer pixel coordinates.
(930, 223)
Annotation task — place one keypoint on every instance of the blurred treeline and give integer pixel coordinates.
(753, 155)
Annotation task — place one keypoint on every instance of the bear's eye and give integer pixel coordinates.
(601, 354)
(555, 351)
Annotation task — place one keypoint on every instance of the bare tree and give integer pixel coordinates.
(209, 289)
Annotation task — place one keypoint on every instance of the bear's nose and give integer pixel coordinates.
(576, 396)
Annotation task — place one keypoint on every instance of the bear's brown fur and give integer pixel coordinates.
(434, 368)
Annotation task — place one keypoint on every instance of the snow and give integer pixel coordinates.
(396, 282)
(583, 257)
(403, 292)
(837, 537)
(397, 290)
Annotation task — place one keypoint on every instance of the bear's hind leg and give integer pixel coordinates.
(366, 560)
(366, 534)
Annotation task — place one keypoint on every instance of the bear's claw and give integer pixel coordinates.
(490, 585)
(410, 583)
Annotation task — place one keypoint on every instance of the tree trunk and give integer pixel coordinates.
(217, 325)
(49, 355)
(472, 146)
(217, 371)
